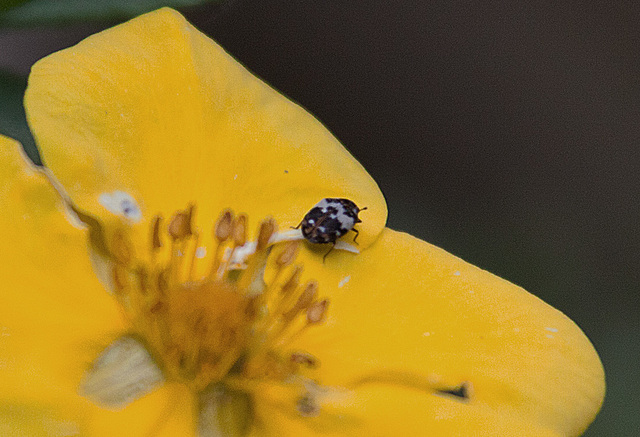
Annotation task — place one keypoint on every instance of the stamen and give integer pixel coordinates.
(317, 312)
(252, 278)
(315, 315)
(292, 283)
(267, 228)
(287, 295)
(286, 257)
(304, 300)
(202, 328)
(240, 231)
(304, 359)
(156, 242)
(224, 226)
(283, 260)
(194, 254)
(180, 224)
(121, 248)
(222, 232)
(239, 236)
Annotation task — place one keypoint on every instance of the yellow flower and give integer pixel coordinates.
(134, 302)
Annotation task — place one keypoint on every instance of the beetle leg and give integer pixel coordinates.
(325, 255)
(357, 233)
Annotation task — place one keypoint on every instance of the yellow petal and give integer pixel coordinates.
(27, 420)
(167, 412)
(407, 319)
(155, 109)
(54, 315)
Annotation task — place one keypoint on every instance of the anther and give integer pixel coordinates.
(308, 295)
(304, 300)
(240, 230)
(303, 359)
(288, 255)
(223, 226)
(317, 311)
(156, 243)
(180, 225)
(267, 228)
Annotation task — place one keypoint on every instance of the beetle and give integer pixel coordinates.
(330, 219)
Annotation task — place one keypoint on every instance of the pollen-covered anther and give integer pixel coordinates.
(240, 230)
(288, 255)
(317, 312)
(180, 224)
(304, 300)
(267, 228)
(224, 226)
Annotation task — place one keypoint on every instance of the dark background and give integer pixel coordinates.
(506, 132)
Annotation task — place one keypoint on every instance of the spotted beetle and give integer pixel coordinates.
(328, 220)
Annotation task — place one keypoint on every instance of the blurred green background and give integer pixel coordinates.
(506, 132)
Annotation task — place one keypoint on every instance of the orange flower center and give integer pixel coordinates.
(206, 317)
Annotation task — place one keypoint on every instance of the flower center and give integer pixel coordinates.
(206, 317)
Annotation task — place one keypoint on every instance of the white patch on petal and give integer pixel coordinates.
(201, 252)
(241, 253)
(290, 235)
(121, 203)
(343, 245)
(103, 268)
(124, 372)
(344, 281)
(552, 329)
